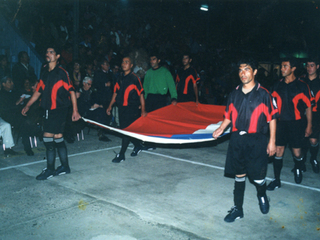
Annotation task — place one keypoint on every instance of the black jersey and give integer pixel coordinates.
(185, 80)
(55, 87)
(251, 112)
(292, 99)
(314, 86)
(128, 89)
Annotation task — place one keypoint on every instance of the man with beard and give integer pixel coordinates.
(56, 90)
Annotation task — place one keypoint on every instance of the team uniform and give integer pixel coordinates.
(250, 115)
(128, 89)
(55, 87)
(185, 80)
(314, 86)
(292, 99)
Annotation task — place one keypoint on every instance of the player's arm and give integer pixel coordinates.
(195, 88)
(221, 129)
(143, 105)
(309, 124)
(113, 100)
(34, 98)
(75, 114)
(271, 149)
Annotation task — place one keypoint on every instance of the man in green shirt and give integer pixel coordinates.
(157, 81)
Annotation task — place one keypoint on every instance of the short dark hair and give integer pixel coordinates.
(4, 79)
(20, 55)
(56, 48)
(130, 58)
(249, 61)
(313, 59)
(293, 61)
(155, 54)
(187, 54)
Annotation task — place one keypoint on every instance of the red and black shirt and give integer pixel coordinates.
(128, 89)
(314, 86)
(185, 80)
(251, 112)
(292, 99)
(55, 87)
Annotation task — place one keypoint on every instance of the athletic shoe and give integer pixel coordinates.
(264, 204)
(233, 214)
(9, 152)
(62, 170)
(136, 150)
(45, 174)
(297, 175)
(315, 165)
(273, 185)
(118, 159)
(29, 152)
(148, 148)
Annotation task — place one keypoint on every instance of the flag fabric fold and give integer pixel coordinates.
(175, 124)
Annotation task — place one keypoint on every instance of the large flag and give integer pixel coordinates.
(182, 123)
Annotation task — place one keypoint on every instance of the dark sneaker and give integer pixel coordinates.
(104, 138)
(315, 165)
(297, 175)
(233, 214)
(273, 185)
(264, 204)
(118, 159)
(9, 152)
(62, 170)
(148, 148)
(136, 150)
(45, 174)
(29, 152)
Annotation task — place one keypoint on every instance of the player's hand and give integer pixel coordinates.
(108, 111)
(271, 149)
(75, 116)
(308, 131)
(144, 113)
(217, 132)
(25, 110)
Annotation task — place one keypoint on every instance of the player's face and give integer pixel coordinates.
(154, 62)
(286, 69)
(126, 65)
(246, 73)
(186, 60)
(51, 55)
(312, 68)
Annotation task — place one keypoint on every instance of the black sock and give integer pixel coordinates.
(314, 149)
(261, 188)
(298, 162)
(277, 167)
(238, 193)
(125, 144)
(62, 151)
(50, 152)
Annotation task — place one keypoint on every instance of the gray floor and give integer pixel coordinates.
(176, 192)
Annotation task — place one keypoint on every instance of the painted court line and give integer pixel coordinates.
(71, 155)
(221, 168)
(160, 155)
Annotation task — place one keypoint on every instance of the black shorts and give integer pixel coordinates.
(128, 115)
(55, 120)
(315, 125)
(247, 154)
(155, 101)
(290, 132)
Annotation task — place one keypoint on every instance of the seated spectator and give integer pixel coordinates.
(9, 103)
(7, 139)
(32, 125)
(22, 70)
(4, 69)
(89, 107)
